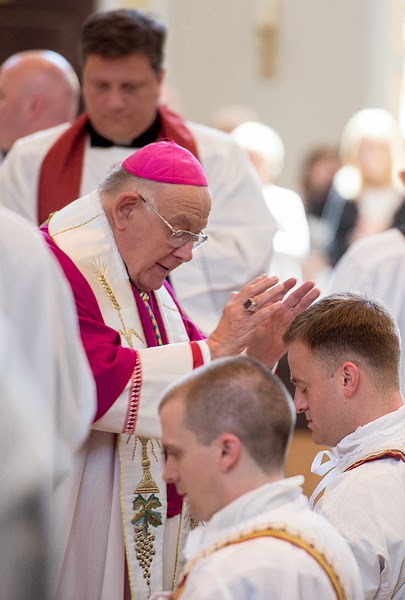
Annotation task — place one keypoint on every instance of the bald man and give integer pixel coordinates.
(38, 89)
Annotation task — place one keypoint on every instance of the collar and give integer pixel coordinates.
(385, 433)
(250, 508)
(147, 137)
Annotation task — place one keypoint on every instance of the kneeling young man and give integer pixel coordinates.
(344, 355)
(226, 428)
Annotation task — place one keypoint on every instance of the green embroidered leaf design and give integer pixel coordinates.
(145, 512)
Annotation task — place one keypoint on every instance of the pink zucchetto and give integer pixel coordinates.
(166, 162)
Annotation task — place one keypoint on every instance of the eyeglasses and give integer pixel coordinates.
(179, 237)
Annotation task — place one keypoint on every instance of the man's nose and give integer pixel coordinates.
(184, 252)
(301, 405)
(166, 474)
(169, 474)
(115, 98)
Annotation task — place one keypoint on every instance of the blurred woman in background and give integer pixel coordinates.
(366, 196)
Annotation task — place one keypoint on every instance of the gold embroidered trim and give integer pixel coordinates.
(274, 532)
(153, 448)
(172, 308)
(75, 226)
(146, 515)
(176, 562)
(99, 270)
(144, 547)
(194, 523)
(145, 299)
(146, 485)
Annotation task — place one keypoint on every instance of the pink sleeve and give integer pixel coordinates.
(111, 363)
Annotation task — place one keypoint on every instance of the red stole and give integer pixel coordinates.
(399, 454)
(61, 170)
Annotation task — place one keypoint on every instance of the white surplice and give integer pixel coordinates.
(26, 475)
(38, 303)
(267, 567)
(367, 504)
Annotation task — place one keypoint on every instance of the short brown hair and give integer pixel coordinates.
(349, 326)
(238, 395)
(118, 33)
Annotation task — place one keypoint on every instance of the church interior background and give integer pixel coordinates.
(302, 67)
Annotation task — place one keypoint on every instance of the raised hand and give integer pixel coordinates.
(266, 342)
(241, 317)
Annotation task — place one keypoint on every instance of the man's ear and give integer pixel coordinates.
(35, 106)
(122, 209)
(229, 446)
(350, 375)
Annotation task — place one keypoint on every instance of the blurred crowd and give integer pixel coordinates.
(344, 191)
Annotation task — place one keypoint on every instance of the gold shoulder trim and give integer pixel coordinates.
(389, 453)
(274, 532)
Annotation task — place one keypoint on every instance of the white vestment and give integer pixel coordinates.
(37, 301)
(26, 475)
(240, 226)
(376, 266)
(267, 567)
(107, 476)
(367, 504)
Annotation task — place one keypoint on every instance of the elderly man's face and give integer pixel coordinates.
(191, 466)
(143, 241)
(121, 95)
